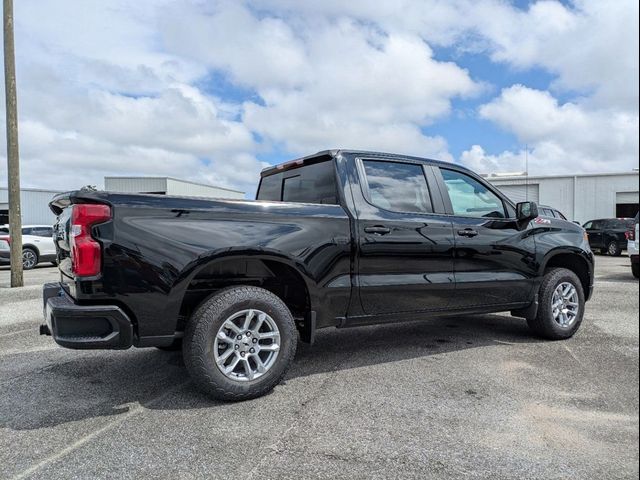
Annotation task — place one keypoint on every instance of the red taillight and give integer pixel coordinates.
(630, 235)
(85, 250)
(6, 239)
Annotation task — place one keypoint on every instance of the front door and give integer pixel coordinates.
(405, 250)
(494, 260)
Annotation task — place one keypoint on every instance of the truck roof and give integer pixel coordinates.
(326, 154)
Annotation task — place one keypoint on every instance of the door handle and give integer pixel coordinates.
(468, 232)
(379, 229)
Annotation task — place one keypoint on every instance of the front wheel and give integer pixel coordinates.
(29, 258)
(239, 343)
(561, 307)
(614, 249)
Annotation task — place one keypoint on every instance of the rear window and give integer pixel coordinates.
(620, 223)
(315, 183)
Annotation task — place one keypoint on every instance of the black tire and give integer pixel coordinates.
(33, 258)
(635, 269)
(174, 347)
(613, 249)
(544, 325)
(201, 331)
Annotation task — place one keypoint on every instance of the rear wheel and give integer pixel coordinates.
(239, 343)
(635, 269)
(614, 249)
(29, 258)
(561, 307)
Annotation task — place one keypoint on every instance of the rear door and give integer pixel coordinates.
(494, 261)
(594, 230)
(44, 236)
(405, 247)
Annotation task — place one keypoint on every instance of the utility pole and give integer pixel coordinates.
(13, 157)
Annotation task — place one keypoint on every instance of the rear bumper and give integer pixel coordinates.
(84, 326)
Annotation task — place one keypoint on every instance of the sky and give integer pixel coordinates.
(214, 91)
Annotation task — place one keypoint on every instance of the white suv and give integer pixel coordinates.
(37, 244)
(632, 247)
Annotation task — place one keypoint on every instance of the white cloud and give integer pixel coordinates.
(112, 87)
(563, 138)
(326, 83)
(592, 46)
(589, 44)
(98, 96)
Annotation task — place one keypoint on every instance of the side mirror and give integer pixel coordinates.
(526, 211)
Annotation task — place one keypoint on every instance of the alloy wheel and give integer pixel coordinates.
(29, 259)
(246, 345)
(565, 304)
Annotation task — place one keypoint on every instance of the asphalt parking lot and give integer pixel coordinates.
(472, 397)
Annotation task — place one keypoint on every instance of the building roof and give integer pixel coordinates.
(174, 179)
(35, 190)
(543, 177)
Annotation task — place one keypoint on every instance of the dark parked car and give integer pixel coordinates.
(608, 235)
(336, 239)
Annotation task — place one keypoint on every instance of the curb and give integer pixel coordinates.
(17, 294)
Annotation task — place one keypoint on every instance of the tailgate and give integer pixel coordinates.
(61, 235)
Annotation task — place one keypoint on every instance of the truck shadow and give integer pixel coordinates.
(74, 386)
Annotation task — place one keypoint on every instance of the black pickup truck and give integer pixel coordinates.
(336, 239)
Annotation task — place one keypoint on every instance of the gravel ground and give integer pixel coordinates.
(471, 397)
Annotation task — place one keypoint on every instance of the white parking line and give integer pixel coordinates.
(79, 443)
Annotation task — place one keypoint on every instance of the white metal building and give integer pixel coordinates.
(578, 197)
(168, 186)
(34, 204)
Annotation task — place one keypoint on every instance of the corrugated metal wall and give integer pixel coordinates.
(580, 198)
(135, 184)
(34, 205)
(176, 187)
(521, 193)
(167, 186)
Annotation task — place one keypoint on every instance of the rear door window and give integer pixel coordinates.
(397, 186)
(42, 232)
